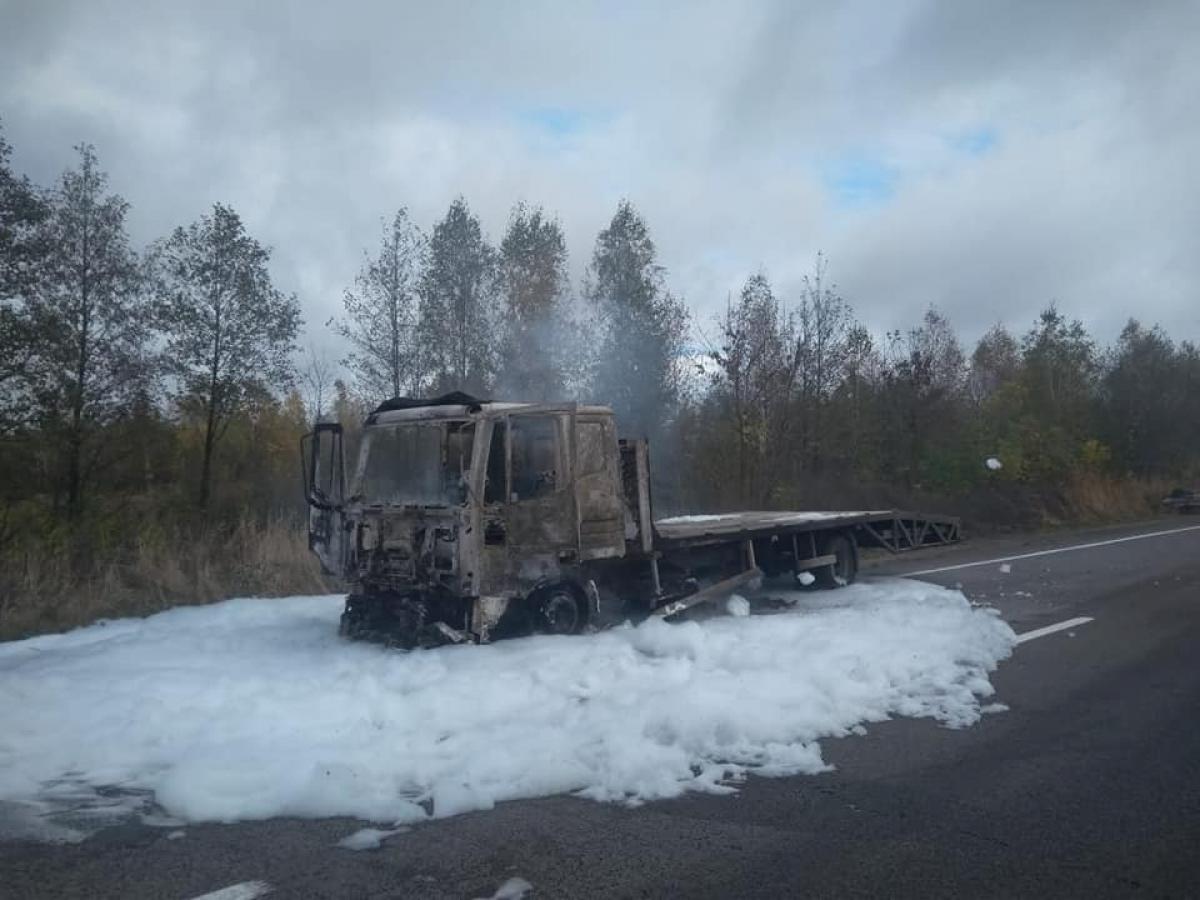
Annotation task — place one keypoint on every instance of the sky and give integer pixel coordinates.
(986, 158)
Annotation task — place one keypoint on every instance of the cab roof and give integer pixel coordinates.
(458, 405)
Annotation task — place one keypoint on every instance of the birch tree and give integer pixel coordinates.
(823, 323)
(380, 320)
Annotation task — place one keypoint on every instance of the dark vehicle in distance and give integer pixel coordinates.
(1182, 500)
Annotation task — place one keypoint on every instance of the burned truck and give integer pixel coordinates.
(467, 521)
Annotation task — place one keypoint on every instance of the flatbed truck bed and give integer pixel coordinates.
(889, 529)
(754, 544)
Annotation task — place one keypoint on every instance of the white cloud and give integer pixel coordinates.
(719, 121)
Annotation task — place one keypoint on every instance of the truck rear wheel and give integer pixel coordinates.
(844, 569)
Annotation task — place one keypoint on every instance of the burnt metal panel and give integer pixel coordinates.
(599, 505)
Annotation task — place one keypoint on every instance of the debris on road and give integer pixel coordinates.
(369, 838)
(513, 889)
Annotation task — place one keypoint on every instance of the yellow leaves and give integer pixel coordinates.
(1095, 456)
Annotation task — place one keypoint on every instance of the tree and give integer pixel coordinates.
(317, 377)
(88, 321)
(641, 326)
(923, 388)
(824, 320)
(854, 415)
(1058, 378)
(995, 362)
(1144, 401)
(457, 298)
(17, 346)
(23, 209)
(381, 314)
(1060, 361)
(230, 332)
(754, 378)
(533, 285)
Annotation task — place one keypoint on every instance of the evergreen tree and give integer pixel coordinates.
(457, 315)
(641, 327)
(533, 286)
(230, 332)
(381, 315)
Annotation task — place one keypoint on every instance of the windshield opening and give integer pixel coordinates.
(415, 464)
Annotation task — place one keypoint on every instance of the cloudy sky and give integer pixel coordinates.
(986, 157)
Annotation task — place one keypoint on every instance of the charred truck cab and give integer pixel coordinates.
(465, 521)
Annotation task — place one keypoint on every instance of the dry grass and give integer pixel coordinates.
(1097, 499)
(40, 591)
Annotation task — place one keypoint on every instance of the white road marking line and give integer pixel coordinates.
(1003, 559)
(1051, 629)
(247, 890)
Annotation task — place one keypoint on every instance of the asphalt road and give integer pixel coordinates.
(1088, 786)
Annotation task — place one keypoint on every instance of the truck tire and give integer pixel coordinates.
(843, 571)
(558, 610)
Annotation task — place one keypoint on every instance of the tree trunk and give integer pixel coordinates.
(210, 435)
(75, 437)
(394, 319)
(214, 383)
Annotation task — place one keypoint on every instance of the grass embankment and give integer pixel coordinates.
(51, 585)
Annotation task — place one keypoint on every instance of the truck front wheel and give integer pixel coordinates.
(558, 610)
(843, 570)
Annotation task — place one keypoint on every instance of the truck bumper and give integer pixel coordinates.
(406, 621)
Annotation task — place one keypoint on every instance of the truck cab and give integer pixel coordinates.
(461, 518)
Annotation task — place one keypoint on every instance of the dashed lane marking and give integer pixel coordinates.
(1051, 629)
(246, 890)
